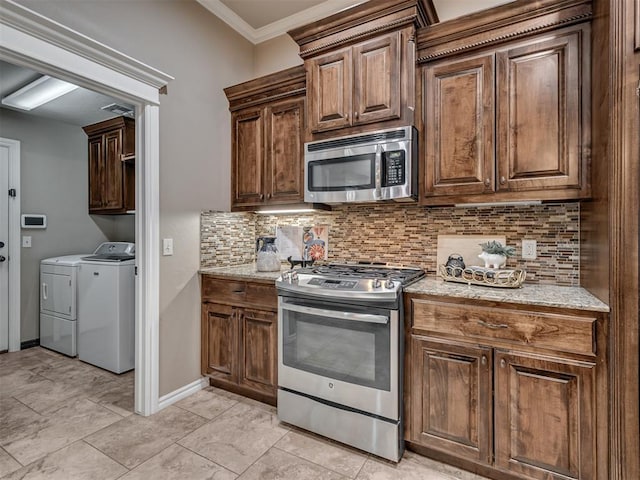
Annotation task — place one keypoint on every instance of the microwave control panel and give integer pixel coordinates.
(394, 168)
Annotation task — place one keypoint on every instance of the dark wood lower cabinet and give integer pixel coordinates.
(451, 397)
(239, 337)
(544, 417)
(507, 392)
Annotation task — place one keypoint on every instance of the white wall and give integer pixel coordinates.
(53, 181)
(183, 39)
(274, 55)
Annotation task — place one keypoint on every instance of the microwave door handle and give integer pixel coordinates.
(358, 317)
(378, 173)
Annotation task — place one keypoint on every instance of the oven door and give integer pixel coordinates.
(344, 354)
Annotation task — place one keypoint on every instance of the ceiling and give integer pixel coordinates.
(80, 107)
(256, 20)
(261, 20)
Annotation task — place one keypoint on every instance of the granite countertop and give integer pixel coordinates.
(530, 294)
(247, 271)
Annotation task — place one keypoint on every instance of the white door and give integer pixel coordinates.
(4, 248)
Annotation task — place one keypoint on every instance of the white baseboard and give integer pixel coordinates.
(182, 392)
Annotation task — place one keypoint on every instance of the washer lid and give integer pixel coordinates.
(64, 260)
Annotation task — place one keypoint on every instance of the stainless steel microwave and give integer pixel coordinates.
(371, 167)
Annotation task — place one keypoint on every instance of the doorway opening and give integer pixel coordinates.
(33, 41)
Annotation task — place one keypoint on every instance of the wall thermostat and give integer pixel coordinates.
(33, 220)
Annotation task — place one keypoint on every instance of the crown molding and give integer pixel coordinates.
(279, 27)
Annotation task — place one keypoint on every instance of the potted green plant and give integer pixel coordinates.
(495, 254)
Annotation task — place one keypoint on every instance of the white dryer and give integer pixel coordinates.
(106, 305)
(58, 312)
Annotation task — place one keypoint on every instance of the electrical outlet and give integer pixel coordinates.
(26, 241)
(167, 246)
(529, 249)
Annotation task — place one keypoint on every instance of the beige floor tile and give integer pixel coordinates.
(407, 469)
(18, 421)
(236, 438)
(178, 463)
(20, 381)
(279, 465)
(69, 424)
(135, 439)
(207, 403)
(7, 463)
(339, 458)
(118, 397)
(77, 461)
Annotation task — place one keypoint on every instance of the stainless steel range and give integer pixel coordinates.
(340, 339)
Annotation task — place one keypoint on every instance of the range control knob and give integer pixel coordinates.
(388, 284)
(376, 283)
(286, 277)
(294, 277)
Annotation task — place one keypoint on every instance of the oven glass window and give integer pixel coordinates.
(347, 350)
(336, 174)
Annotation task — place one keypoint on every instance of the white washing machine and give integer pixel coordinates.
(106, 305)
(58, 312)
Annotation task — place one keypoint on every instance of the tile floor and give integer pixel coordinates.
(63, 419)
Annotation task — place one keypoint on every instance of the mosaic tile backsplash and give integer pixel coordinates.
(407, 234)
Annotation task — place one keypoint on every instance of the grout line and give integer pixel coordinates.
(107, 455)
(205, 458)
(19, 462)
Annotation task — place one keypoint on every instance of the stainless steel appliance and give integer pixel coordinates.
(370, 167)
(340, 339)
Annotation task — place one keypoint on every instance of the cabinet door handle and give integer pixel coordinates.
(487, 182)
(262, 196)
(346, 117)
(493, 326)
(268, 196)
(484, 359)
(503, 180)
(503, 363)
(356, 115)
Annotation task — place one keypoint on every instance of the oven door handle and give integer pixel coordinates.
(358, 317)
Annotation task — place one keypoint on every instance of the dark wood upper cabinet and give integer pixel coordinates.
(267, 142)
(506, 104)
(111, 166)
(361, 65)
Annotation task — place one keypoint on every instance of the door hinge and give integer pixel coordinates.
(12, 192)
(135, 270)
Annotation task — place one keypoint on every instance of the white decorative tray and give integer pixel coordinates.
(483, 276)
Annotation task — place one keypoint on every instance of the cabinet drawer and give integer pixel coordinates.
(223, 291)
(261, 295)
(563, 332)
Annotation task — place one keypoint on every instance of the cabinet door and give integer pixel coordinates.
(96, 168)
(258, 351)
(459, 124)
(112, 175)
(376, 85)
(285, 152)
(544, 417)
(451, 397)
(329, 91)
(540, 90)
(219, 342)
(247, 166)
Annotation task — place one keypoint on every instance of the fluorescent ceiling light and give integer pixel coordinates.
(38, 93)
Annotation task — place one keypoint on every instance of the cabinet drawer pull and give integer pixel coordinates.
(503, 363)
(238, 291)
(493, 326)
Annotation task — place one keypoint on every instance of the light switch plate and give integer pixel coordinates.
(167, 246)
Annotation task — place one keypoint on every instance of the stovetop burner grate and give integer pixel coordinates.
(400, 274)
